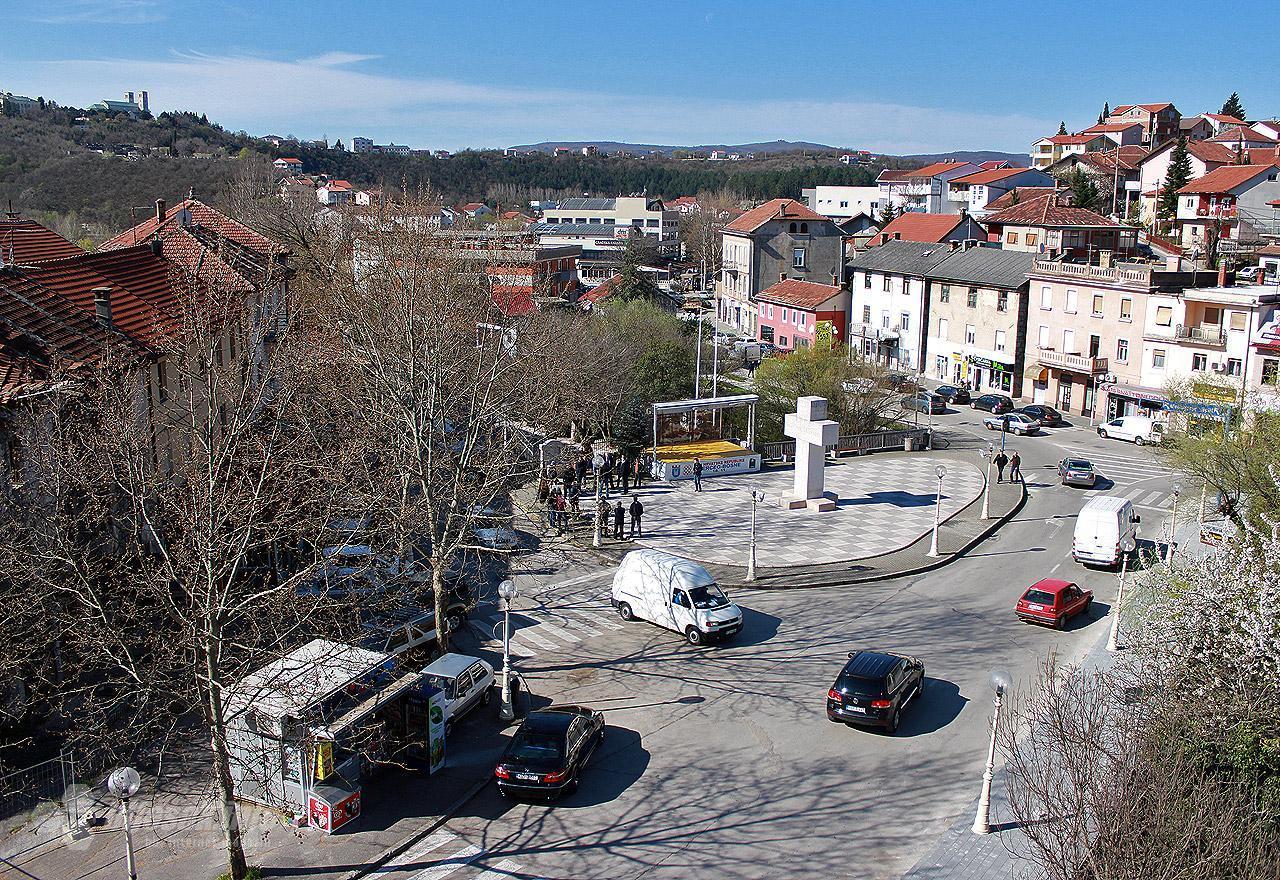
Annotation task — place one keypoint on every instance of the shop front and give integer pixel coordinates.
(1132, 400)
(989, 375)
(1067, 381)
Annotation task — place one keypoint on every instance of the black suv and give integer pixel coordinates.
(873, 688)
(954, 394)
(994, 403)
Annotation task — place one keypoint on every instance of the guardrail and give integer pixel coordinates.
(873, 441)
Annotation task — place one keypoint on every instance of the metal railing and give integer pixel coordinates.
(1130, 273)
(873, 441)
(1207, 335)
(46, 782)
(1080, 363)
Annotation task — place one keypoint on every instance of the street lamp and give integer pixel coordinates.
(1173, 521)
(597, 466)
(1127, 546)
(506, 590)
(124, 783)
(937, 510)
(756, 497)
(989, 454)
(1000, 682)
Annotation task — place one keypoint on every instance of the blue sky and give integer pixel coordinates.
(894, 75)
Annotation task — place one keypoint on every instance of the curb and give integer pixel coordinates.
(404, 844)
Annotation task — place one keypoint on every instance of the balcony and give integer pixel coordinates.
(1076, 363)
(872, 332)
(1125, 273)
(1210, 335)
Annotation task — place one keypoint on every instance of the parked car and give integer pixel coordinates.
(901, 381)
(1102, 526)
(1053, 602)
(675, 593)
(503, 538)
(1077, 472)
(546, 756)
(1047, 416)
(1139, 429)
(993, 403)
(1249, 275)
(873, 689)
(924, 402)
(1013, 422)
(954, 394)
(345, 570)
(467, 682)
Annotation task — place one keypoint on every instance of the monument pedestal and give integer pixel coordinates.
(789, 501)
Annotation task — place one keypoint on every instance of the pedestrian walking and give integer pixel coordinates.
(575, 494)
(1015, 468)
(640, 459)
(697, 474)
(561, 513)
(637, 511)
(1001, 460)
(618, 516)
(624, 468)
(602, 513)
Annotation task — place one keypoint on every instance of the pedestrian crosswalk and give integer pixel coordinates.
(442, 854)
(1146, 483)
(566, 614)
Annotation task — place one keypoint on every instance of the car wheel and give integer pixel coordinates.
(694, 635)
(624, 611)
(572, 786)
(893, 721)
(454, 622)
(486, 696)
(1058, 621)
(1102, 434)
(1139, 441)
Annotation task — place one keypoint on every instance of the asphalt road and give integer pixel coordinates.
(719, 761)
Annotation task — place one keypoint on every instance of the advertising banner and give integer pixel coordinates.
(435, 729)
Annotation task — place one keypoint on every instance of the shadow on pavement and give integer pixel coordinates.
(897, 499)
(940, 704)
(757, 627)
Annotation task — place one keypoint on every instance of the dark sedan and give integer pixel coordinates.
(954, 394)
(1047, 416)
(546, 756)
(994, 403)
(873, 689)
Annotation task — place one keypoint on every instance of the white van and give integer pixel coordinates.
(1139, 429)
(675, 593)
(1101, 528)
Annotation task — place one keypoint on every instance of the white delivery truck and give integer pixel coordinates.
(675, 593)
(1138, 429)
(1101, 528)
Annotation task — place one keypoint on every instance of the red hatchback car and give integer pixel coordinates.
(1053, 602)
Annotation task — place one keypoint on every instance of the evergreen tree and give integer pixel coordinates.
(1106, 109)
(1178, 176)
(1084, 192)
(634, 283)
(1233, 107)
(887, 215)
(1062, 127)
(1101, 119)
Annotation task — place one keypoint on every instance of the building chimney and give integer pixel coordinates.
(157, 246)
(128, 96)
(160, 209)
(955, 245)
(102, 305)
(143, 103)
(897, 236)
(1104, 259)
(1222, 274)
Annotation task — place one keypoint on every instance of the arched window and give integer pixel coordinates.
(804, 228)
(793, 229)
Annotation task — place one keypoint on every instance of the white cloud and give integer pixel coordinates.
(329, 94)
(98, 12)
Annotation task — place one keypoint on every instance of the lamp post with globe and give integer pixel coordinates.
(1000, 682)
(1127, 546)
(507, 591)
(937, 510)
(124, 783)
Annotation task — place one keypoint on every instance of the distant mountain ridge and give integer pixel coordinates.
(765, 147)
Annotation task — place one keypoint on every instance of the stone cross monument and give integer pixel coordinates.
(813, 432)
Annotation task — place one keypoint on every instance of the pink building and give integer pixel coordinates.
(799, 314)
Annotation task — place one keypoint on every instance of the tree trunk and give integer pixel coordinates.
(441, 599)
(237, 868)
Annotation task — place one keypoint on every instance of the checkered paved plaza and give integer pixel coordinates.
(886, 502)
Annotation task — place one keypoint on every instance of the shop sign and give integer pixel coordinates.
(1205, 391)
(989, 364)
(1198, 408)
(435, 730)
(824, 334)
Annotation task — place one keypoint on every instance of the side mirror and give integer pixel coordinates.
(1137, 518)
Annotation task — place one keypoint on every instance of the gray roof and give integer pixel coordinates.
(603, 229)
(587, 204)
(985, 266)
(902, 257)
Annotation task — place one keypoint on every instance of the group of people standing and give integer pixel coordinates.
(561, 488)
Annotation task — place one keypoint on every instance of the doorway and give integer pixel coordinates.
(1039, 391)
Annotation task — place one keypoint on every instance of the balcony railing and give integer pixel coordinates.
(1129, 273)
(1077, 363)
(1204, 335)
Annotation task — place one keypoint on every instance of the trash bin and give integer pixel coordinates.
(909, 444)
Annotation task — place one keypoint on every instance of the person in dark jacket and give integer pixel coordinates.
(637, 511)
(697, 474)
(1015, 468)
(619, 515)
(1000, 460)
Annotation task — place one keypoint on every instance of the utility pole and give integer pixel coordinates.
(989, 454)
(697, 366)
(756, 497)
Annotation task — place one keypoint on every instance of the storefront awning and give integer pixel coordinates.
(335, 729)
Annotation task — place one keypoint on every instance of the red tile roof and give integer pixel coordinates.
(990, 176)
(1111, 126)
(1105, 160)
(1071, 138)
(290, 161)
(26, 241)
(937, 168)
(1048, 210)
(801, 294)
(473, 206)
(191, 212)
(992, 164)
(1150, 108)
(1227, 178)
(339, 186)
(603, 290)
(893, 175)
(1237, 133)
(920, 227)
(1022, 194)
(1224, 119)
(778, 209)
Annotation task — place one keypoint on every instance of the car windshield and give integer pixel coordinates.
(1040, 597)
(537, 747)
(709, 596)
(442, 682)
(1078, 464)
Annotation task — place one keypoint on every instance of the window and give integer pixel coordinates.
(797, 258)
(973, 297)
(1043, 339)
(1157, 358)
(1126, 309)
(1011, 238)
(1046, 298)
(1239, 320)
(1002, 301)
(1068, 341)
(970, 334)
(1122, 351)
(866, 280)
(162, 382)
(886, 283)
(1164, 316)
(1097, 305)
(1070, 308)
(1213, 316)
(844, 204)
(1234, 367)
(866, 314)
(1000, 340)
(944, 327)
(1199, 363)
(782, 342)
(792, 229)
(804, 228)
(884, 320)
(786, 315)
(945, 293)
(1270, 371)
(905, 323)
(1032, 238)
(770, 311)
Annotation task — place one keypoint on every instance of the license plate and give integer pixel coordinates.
(855, 709)
(1036, 607)
(527, 777)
